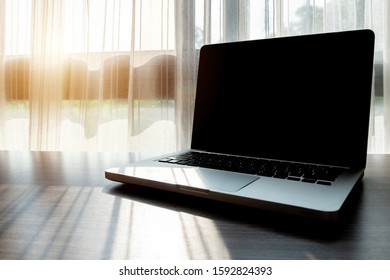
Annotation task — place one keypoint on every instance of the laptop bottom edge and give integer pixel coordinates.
(270, 206)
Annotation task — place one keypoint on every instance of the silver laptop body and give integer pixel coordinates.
(299, 103)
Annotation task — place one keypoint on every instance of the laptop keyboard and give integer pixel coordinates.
(309, 173)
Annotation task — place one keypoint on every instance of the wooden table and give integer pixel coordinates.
(59, 206)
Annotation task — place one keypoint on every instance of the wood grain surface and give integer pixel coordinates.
(59, 206)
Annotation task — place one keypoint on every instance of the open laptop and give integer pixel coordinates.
(279, 124)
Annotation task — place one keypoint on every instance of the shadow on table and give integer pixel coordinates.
(276, 236)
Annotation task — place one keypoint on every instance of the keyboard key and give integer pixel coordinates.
(306, 180)
(293, 178)
(324, 183)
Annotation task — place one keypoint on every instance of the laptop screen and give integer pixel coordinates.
(304, 98)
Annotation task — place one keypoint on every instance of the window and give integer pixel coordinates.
(86, 64)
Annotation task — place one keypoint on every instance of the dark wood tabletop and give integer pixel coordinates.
(59, 206)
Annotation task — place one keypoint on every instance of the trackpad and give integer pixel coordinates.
(217, 180)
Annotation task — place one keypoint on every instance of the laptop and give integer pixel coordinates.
(279, 124)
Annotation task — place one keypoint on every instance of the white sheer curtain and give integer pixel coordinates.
(111, 75)
(87, 75)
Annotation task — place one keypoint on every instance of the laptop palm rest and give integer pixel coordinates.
(187, 178)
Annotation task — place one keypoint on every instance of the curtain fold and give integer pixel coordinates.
(120, 75)
(386, 76)
(186, 70)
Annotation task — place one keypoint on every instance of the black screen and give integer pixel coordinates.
(304, 98)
